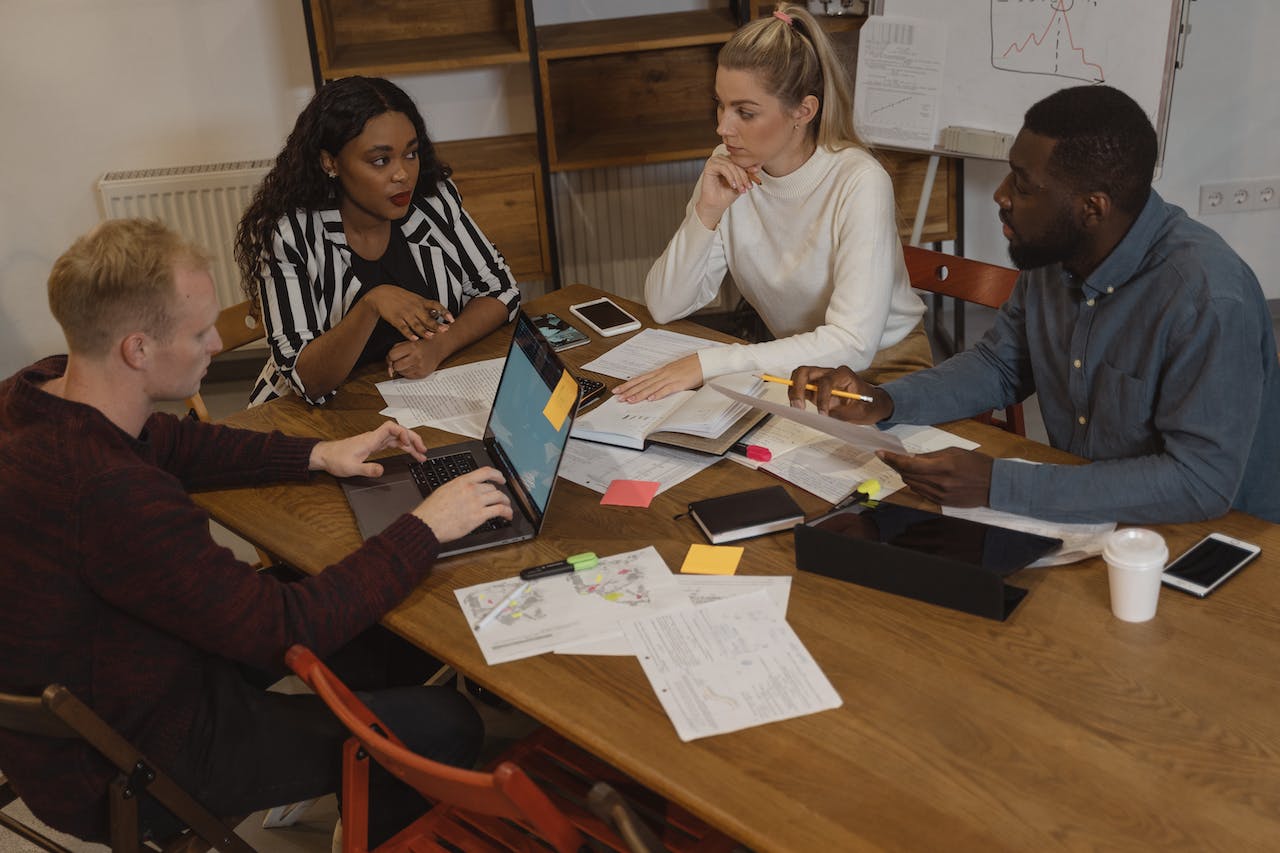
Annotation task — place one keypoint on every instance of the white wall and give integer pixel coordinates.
(89, 86)
(1223, 125)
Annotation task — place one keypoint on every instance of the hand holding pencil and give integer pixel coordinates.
(837, 392)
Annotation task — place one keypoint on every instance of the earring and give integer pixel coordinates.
(332, 174)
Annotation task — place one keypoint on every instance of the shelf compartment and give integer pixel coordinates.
(618, 108)
(412, 36)
(907, 171)
(640, 33)
(501, 184)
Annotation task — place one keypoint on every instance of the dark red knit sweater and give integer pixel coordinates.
(111, 584)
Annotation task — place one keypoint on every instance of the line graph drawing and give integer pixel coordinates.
(1023, 42)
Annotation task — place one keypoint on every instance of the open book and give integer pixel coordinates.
(703, 420)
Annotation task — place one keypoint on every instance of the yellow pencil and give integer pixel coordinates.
(845, 394)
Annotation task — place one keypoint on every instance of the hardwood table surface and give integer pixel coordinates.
(1060, 728)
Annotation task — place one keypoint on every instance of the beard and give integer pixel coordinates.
(1057, 243)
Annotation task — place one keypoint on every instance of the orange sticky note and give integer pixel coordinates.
(630, 493)
(562, 399)
(712, 560)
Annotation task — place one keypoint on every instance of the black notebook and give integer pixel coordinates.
(745, 514)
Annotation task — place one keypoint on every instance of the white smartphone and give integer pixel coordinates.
(1203, 567)
(605, 317)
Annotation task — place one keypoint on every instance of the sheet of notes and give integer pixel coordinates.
(728, 665)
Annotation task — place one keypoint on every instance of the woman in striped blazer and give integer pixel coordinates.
(357, 249)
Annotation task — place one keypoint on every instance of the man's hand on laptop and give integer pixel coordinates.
(346, 458)
(464, 503)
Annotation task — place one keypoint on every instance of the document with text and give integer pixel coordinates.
(728, 665)
(456, 399)
(701, 589)
(647, 351)
(513, 619)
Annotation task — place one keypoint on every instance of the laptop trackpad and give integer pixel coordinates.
(382, 502)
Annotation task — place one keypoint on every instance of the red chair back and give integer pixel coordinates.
(507, 792)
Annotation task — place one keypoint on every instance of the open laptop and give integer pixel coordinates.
(519, 440)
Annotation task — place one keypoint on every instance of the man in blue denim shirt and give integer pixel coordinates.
(1146, 337)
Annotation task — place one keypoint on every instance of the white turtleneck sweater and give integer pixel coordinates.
(815, 252)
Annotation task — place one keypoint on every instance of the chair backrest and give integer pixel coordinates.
(236, 326)
(961, 278)
(58, 713)
(967, 281)
(506, 792)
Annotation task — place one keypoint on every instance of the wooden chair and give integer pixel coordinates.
(58, 714)
(236, 326)
(531, 798)
(968, 281)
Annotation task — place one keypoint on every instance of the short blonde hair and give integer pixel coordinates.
(793, 57)
(118, 278)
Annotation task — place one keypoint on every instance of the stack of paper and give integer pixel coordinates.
(717, 650)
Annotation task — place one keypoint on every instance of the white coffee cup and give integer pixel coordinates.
(1135, 560)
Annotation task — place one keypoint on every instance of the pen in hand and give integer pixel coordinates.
(848, 395)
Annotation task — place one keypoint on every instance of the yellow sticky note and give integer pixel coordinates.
(562, 399)
(712, 560)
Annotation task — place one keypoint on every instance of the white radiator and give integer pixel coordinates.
(611, 224)
(202, 203)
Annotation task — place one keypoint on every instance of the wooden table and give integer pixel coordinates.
(1062, 728)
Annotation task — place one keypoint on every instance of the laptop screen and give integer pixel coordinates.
(522, 433)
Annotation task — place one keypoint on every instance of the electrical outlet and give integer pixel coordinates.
(1266, 194)
(1240, 195)
(1214, 198)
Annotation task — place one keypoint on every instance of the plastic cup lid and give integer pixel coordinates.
(1135, 548)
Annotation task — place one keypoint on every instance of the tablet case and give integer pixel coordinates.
(938, 570)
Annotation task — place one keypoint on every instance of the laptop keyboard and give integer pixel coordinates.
(434, 472)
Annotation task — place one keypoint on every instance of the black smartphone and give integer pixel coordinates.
(1202, 568)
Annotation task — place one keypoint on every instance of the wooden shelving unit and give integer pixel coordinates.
(501, 178)
(614, 92)
(417, 36)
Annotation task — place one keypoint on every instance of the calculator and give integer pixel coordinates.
(590, 389)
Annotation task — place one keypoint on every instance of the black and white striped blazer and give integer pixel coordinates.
(307, 283)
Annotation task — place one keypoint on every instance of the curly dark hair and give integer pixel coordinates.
(1104, 142)
(336, 115)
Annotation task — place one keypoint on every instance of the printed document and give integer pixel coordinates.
(728, 665)
(859, 435)
(456, 399)
(899, 74)
(547, 613)
(649, 350)
(701, 589)
(595, 466)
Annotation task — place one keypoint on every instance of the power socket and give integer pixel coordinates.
(1266, 194)
(1240, 196)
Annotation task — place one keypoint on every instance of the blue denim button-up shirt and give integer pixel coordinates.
(1160, 367)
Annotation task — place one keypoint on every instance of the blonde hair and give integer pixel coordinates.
(793, 59)
(117, 278)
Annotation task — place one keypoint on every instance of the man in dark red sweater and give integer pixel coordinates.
(111, 584)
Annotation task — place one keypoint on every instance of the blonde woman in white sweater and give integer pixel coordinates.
(799, 212)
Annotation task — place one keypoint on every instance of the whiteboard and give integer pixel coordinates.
(1002, 56)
